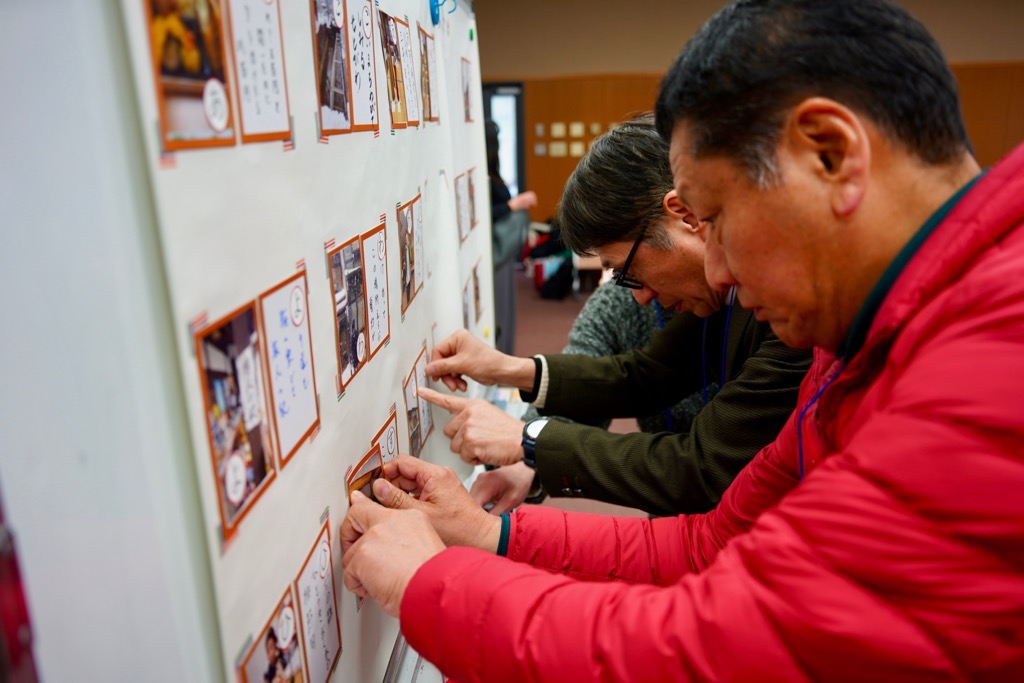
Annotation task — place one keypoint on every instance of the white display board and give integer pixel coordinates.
(302, 168)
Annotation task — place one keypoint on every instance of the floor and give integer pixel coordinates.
(542, 326)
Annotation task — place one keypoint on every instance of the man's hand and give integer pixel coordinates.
(506, 487)
(382, 549)
(481, 433)
(463, 354)
(412, 484)
(526, 200)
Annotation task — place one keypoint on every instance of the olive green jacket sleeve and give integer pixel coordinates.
(669, 473)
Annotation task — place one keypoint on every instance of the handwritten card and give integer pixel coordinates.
(318, 610)
(387, 438)
(462, 206)
(417, 231)
(275, 654)
(476, 293)
(259, 70)
(467, 90)
(375, 261)
(364, 66)
(332, 66)
(408, 71)
(284, 310)
(471, 195)
(235, 399)
(430, 85)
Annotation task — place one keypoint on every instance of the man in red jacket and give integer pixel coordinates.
(879, 537)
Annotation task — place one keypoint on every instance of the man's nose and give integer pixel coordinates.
(715, 268)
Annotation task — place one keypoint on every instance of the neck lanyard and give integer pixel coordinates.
(725, 344)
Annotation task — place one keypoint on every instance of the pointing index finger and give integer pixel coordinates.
(453, 404)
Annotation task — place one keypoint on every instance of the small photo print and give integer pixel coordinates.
(471, 193)
(349, 293)
(426, 419)
(477, 306)
(392, 49)
(368, 470)
(275, 655)
(235, 397)
(467, 100)
(331, 61)
(412, 414)
(409, 255)
(462, 216)
(465, 306)
(187, 45)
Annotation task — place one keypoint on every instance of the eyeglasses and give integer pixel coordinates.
(620, 276)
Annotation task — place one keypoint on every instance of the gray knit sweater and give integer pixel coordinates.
(612, 322)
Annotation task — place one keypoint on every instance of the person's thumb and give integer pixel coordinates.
(390, 496)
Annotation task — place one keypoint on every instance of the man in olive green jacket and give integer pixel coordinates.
(620, 204)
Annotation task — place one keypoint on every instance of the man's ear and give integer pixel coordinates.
(834, 142)
(672, 206)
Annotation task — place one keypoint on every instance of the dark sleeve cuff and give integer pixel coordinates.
(531, 395)
(506, 525)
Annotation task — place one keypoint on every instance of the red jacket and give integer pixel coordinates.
(899, 556)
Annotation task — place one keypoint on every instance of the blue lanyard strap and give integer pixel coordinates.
(800, 419)
(725, 346)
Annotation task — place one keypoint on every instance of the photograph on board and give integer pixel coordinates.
(275, 655)
(407, 251)
(331, 61)
(467, 89)
(235, 396)
(462, 206)
(477, 305)
(349, 295)
(412, 414)
(471, 198)
(368, 470)
(465, 305)
(392, 49)
(187, 44)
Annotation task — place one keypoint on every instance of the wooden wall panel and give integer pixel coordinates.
(992, 95)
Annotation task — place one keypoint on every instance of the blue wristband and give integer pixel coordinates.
(506, 530)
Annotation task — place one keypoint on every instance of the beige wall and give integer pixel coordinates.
(535, 38)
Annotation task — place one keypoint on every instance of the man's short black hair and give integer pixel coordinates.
(755, 59)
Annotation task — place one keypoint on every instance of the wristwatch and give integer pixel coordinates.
(531, 430)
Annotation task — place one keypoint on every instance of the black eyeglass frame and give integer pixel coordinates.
(620, 276)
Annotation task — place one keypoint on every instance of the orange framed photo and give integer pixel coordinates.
(471, 198)
(462, 206)
(391, 47)
(319, 624)
(365, 110)
(477, 301)
(375, 263)
(429, 95)
(410, 249)
(365, 472)
(275, 654)
(467, 89)
(387, 437)
(348, 295)
(284, 318)
(426, 418)
(235, 402)
(261, 88)
(412, 413)
(465, 304)
(333, 66)
(190, 74)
